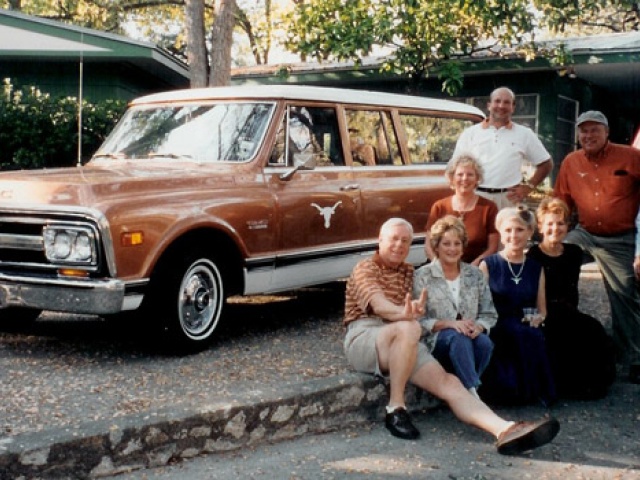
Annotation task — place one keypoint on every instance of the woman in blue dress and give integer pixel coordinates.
(519, 372)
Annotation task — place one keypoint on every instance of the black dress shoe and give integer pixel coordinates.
(634, 374)
(399, 424)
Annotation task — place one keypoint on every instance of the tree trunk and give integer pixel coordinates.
(269, 27)
(196, 47)
(245, 24)
(15, 5)
(221, 42)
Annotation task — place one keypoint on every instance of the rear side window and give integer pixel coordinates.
(308, 133)
(431, 139)
(372, 138)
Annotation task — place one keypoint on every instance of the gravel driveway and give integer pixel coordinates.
(68, 370)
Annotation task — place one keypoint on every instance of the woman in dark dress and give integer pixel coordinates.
(520, 371)
(581, 353)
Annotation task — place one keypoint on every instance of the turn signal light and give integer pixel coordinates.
(70, 272)
(130, 239)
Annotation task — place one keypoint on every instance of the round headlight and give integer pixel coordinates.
(62, 245)
(82, 247)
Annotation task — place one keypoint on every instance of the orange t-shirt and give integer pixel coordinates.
(479, 223)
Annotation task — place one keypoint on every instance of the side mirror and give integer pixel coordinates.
(301, 161)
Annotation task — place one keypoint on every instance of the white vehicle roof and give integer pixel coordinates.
(299, 92)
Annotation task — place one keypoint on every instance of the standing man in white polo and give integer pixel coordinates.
(502, 147)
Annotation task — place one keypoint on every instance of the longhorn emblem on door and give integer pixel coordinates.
(327, 212)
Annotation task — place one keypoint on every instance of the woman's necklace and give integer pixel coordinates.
(461, 209)
(516, 278)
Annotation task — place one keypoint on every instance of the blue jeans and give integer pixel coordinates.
(463, 356)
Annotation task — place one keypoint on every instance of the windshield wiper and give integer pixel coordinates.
(114, 156)
(173, 156)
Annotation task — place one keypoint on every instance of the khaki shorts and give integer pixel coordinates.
(360, 347)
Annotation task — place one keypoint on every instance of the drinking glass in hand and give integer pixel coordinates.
(530, 314)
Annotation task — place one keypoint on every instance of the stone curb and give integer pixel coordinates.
(104, 448)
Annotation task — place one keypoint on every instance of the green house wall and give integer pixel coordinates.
(101, 81)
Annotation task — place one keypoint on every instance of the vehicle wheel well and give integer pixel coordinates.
(220, 246)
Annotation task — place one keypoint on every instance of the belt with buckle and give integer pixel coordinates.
(492, 190)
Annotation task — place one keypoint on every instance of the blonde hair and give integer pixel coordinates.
(521, 214)
(444, 225)
(464, 159)
(555, 206)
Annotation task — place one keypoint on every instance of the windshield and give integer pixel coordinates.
(221, 132)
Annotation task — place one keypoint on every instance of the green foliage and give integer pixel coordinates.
(100, 14)
(418, 35)
(421, 36)
(157, 20)
(451, 77)
(37, 131)
(584, 17)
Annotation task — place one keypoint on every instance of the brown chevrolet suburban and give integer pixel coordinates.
(201, 194)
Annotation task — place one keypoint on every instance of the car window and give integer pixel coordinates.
(221, 132)
(431, 139)
(372, 139)
(312, 133)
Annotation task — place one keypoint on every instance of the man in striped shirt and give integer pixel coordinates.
(383, 338)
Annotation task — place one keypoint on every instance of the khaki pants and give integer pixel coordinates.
(360, 347)
(614, 256)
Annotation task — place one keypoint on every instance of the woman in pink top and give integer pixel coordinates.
(477, 213)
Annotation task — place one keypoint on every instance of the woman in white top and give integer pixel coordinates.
(459, 309)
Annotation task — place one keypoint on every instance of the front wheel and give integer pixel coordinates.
(189, 301)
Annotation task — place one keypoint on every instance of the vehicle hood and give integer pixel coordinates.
(94, 185)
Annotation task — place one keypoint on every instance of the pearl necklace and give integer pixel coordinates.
(516, 278)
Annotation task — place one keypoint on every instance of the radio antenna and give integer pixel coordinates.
(80, 81)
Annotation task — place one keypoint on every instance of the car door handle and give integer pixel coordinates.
(351, 186)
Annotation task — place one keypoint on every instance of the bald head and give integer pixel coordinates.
(501, 105)
(502, 91)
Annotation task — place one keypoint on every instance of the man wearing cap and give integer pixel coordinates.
(501, 147)
(601, 182)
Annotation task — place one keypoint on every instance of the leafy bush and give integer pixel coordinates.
(38, 131)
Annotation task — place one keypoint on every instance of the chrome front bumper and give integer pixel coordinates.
(98, 297)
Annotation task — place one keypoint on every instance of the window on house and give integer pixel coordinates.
(566, 126)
